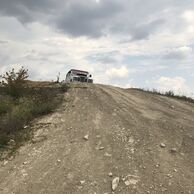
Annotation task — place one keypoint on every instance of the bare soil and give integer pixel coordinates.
(144, 139)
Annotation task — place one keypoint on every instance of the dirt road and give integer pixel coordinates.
(144, 139)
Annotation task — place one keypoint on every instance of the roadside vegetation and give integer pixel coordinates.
(170, 94)
(20, 102)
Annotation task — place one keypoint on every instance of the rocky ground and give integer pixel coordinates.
(105, 140)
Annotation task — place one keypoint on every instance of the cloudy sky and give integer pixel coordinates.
(128, 43)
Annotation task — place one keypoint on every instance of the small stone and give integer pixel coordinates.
(127, 183)
(79, 187)
(169, 175)
(5, 162)
(70, 176)
(11, 158)
(172, 107)
(58, 160)
(94, 183)
(101, 148)
(131, 140)
(157, 165)
(25, 127)
(175, 170)
(86, 137)
(162, 145)
(107, 154)
(110, 174)
(24, 173)
(132, 150)
(24, 163)
(115, 183)
(82, 182)
(12, 142)
(164, 189)
(173, 150)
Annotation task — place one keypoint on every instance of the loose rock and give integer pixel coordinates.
(127, 183)
(115, 183)
(173, 150)
(82, 182)
(162, 145)
(107, 154)
(12, 142)
(86, 137)
(5, 162)
(24, 163)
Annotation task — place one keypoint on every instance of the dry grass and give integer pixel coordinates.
(170, 94)
(16, 113)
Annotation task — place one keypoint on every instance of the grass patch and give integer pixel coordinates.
(17, 113)
(170, 94)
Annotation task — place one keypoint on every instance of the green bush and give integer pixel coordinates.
(14, 82)
(169, 93)
(19, 105)
(6, 104)
(64, 87)
(18, 112)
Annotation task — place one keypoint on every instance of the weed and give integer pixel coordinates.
(169, 93)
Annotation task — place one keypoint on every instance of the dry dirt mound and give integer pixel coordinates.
(140, 142)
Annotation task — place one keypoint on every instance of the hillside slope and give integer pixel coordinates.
(144, 139)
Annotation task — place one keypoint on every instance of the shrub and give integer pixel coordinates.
(14, 82)
(169, 93)
(6, 104)
(64, 87)
(22, 105)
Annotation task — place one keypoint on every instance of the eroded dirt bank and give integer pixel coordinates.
(144, 139)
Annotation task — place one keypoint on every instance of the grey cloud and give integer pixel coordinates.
(143, 31)
(27, 10)
(3, 42)
(105, 58)
(133, 18)
(178, 53)
(83, 18)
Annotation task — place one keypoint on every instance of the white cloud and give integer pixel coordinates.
(121, 72)
(179, 53)
(90, 35)
(176, 84)
(97, 1)
(188, 15)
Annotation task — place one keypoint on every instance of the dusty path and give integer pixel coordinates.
(125, 129)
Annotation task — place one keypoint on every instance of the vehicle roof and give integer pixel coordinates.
(79, 71)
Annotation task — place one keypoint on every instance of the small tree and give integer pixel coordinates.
(58, 78)
(169, 93)
(14, 82)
